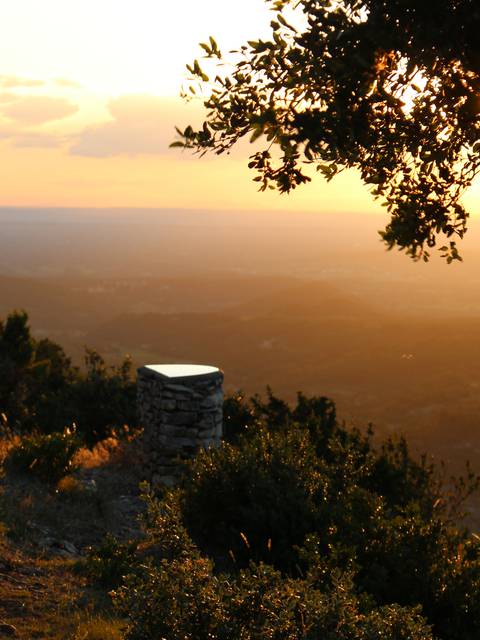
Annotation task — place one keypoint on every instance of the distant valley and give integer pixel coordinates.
(301, 304)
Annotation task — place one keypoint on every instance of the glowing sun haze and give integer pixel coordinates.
(119, 46)
(89, 98)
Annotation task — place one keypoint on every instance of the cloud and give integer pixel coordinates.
(36, 110)
(6, 96)
(67, 83)
(23, 139)
(140, 125)
(37, 140)
(12, 82)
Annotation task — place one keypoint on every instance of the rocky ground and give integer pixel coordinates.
(45, 535)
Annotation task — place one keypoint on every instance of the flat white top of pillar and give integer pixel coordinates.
(181, 370)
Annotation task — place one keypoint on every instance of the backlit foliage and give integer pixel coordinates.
(304, 529)
(41, 391)
(387, 87)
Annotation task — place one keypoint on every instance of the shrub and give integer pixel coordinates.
(296, 490)
(242, 416)
(182, 597)
(41, 391)
(47, 457)
(103, 400)
(283, 479)
(255, 501)
(108, 563)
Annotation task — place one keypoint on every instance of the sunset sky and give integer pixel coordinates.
(89, 98)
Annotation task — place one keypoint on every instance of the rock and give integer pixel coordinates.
(180, 414)
(168, 405)
(169, 481)
(179, 389)
(29, 571)
(174, 430)
(5, 565)
(213, 401)
(188, 405)
(183, 418)
(8, 630)
(61, 548)
(89, 485)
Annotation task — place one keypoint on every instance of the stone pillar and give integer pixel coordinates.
(180, 408)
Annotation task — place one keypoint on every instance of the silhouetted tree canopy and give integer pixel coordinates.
(41, 391)
(387, 87)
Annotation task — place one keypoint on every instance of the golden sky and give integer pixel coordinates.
(89, 98)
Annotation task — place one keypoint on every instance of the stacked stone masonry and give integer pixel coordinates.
(180, 415)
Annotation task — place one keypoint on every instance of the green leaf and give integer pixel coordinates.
(258, 131)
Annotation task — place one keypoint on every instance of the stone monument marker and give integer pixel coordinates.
(180, 408)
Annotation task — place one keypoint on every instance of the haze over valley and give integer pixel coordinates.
(301, 302)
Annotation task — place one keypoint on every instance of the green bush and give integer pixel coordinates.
(109, 562)
(40, 389)
(103, 400)
(304, 529)
(294, 472)
(296, 487)
(242, 416)
(255, 501)
(47, 457)
(182, 597)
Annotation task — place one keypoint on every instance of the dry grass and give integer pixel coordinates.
(7, 441)
(40, 592)
(98, 628)
(100, 497)
(105, 452)
(36, 594)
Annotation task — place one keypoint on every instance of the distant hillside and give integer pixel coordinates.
(308, 299)
(66, 309)
(299, 301)
(416, 376)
